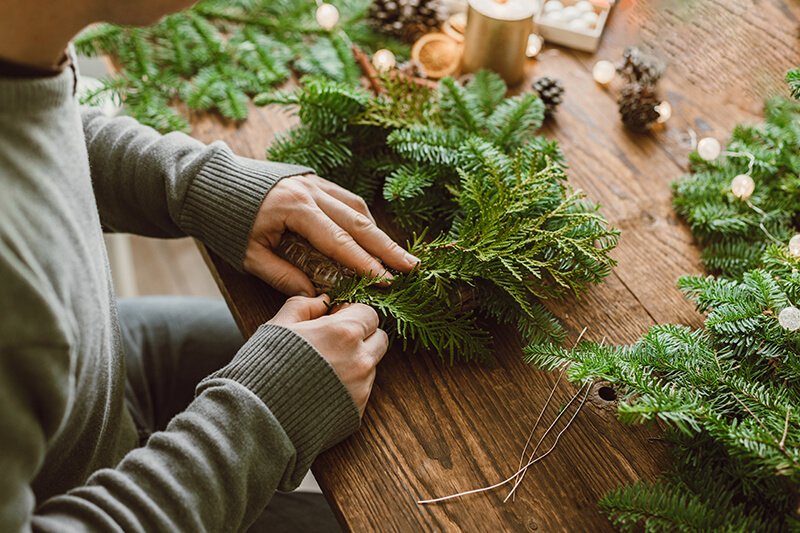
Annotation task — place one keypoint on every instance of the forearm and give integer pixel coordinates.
(172, 185)
(254, 427)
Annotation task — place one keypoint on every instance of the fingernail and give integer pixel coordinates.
(326, 298)
(412, 260)
(387, 275)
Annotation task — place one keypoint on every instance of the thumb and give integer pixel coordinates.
(300, 309)
(278, 272)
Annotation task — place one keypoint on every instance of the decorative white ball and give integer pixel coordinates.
(709, 148)
(383, 60)
(327, 16)
(789, 318)
(571, 13)
(664, 110)
(794, 245)
(584, 6)
(603, 72)
(555, 16)
(578, 24)
(534, 45)
(553, 6)
(742, 186)
(590, 18)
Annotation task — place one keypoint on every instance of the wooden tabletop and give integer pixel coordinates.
(432, 429)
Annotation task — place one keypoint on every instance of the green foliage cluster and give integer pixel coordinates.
(218, 53)
(729, 394)
(483, 201)
(731, 230)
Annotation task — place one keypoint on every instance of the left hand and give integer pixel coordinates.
(333, 219)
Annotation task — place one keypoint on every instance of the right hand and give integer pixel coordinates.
(349, 339)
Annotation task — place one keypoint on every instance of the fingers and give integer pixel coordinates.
(330, 239)
(300, 309)
(361, 314)
(377, 344)
(343, 195)
(364, 231)
(278, 272)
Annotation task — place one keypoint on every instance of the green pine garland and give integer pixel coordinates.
(218, 53)
(483, 201)
(729, 394)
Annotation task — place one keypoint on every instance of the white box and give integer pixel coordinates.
(557, 33)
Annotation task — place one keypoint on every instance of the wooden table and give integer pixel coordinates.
(433, 429)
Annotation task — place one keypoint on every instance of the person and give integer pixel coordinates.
(148, 415)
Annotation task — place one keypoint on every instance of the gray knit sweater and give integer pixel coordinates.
(67, 457)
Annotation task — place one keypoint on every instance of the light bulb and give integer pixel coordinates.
(383, 60)
(789, 318)
(327, 16)
(742, 186)
(603, 72)
(534, 45)
(664, 110)
(709, 148)
(794, 245)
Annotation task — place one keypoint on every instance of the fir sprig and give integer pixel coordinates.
(728, 394)
(497, 227)
(217, 54)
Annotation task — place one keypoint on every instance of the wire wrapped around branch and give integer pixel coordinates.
(324, 273)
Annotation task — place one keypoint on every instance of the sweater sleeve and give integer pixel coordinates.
(172, 185)
(254, 427)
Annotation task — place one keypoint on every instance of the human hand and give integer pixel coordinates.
(334, 220)
(349, 339)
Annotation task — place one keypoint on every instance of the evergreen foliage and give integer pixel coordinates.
(729, 394)
(484, 202)
(218, 53)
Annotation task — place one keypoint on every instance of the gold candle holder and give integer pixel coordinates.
(496, 37)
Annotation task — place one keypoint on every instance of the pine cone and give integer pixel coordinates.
(551, 91)
(637, 105)
(406, 19)
(641, 68)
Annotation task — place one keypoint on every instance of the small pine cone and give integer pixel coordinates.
(637, 105)
(641, 68)
(406, 19)
(551, 91)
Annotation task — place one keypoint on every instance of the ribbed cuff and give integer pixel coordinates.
(298, 386)
(224, 198)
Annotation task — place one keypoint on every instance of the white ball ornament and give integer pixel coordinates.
(578, 24)
(327, 16)
(742, 186)
(553, 6)
(383, 60)
(534, 45)
(709, 148)
(794, 246)
(664, 110)
(584, 6)
(789, 318)
(590, 18)
(571, 13)
(604, 72)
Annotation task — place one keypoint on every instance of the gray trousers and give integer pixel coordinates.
(171, 343)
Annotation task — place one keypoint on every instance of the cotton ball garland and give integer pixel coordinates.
(794, 246)
(603, 72)
(709, 148)
(789, 318)
(327, 16)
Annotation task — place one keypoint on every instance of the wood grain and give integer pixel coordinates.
(433, 429)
